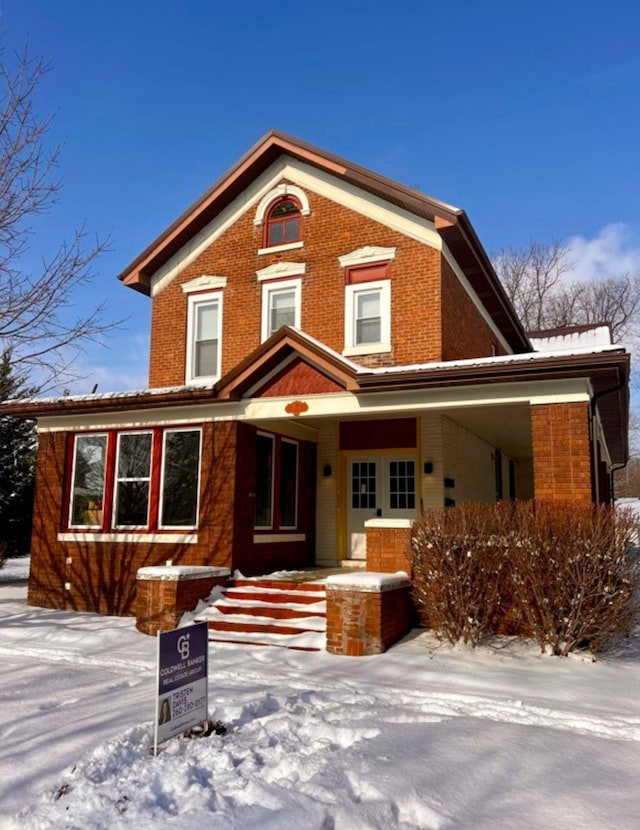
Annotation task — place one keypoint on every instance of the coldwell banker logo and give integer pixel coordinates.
(182, 646)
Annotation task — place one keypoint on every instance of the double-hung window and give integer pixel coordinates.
(135, 480)
(280, 305)
(204, 330)
(367, 317)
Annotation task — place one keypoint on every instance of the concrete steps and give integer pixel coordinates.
(270, 612)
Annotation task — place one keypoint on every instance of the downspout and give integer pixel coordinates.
(592, 412)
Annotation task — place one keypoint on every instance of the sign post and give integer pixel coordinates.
(182, 681)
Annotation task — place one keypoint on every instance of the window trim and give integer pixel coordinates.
(271, 287)
(352, 290)
(270, 222)
(272, 438)
(296, 444)
(276, 529)
(194, 301)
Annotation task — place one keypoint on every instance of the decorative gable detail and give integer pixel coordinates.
(297, 378)
(281, 270)
(277, 193)
(370, 253)
(204, 283)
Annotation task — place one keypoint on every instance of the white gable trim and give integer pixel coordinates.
(281, 190)
(204, 283)
(370, 253)
(281, 270)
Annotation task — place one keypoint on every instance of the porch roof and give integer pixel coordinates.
(607, 370)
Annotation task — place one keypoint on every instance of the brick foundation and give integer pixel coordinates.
(164, 594)
(366, 612)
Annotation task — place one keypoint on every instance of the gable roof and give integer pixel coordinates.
(450, 222)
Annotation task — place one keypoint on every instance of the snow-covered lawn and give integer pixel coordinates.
(421, 737)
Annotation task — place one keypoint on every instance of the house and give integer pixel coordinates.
(331, 352)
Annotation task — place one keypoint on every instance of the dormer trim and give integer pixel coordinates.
(281, 270)
(205, 282)
(277, 192)
(369, 253)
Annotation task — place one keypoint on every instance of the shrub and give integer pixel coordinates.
(558, 573)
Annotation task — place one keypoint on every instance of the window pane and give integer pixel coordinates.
(206, 358)
(402, 485)
(134, 455)
(363, 484)
(264, 476)
(88, 480)
(288, 484)
(283, 309)
(368, 320)
(276, 233)
(180, 479)
(132, 503)
(207, 321)
(292, 230)
(284, 208)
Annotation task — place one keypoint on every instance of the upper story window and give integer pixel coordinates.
(284, 223)
(281, 214)
(204, 337)
(281, 296)
(367, 301)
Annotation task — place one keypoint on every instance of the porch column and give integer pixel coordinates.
(561, 451)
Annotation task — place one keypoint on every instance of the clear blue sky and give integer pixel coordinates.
(527, 115)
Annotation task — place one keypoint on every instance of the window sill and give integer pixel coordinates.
(368, 348)
(278, 537)
(135, 538)
(275, 249)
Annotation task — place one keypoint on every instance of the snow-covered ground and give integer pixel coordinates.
(425, 736)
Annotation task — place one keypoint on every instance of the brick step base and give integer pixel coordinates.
(269, 612)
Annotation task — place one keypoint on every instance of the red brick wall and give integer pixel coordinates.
(388, 549)
(465, 333)
(160, 603)
(561, 452)
(329, 232)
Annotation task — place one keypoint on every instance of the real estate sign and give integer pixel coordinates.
(182, 682)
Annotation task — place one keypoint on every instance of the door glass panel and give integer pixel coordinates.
(363, 484)
(402, 485)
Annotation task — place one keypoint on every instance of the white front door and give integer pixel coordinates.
(377, 486)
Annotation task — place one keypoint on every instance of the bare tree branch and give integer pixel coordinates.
(37, 323)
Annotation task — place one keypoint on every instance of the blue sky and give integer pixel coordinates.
(527, 115)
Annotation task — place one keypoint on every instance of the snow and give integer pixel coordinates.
(580, 337)
(180, 572)
(368, 581)
(425, 736)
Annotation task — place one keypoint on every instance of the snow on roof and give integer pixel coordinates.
(571, 338)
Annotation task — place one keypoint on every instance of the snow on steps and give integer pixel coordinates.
(270, 612)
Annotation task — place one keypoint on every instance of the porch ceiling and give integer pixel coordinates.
(506, 427)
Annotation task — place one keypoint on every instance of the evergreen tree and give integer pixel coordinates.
(17, 466)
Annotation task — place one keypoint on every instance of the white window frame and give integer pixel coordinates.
(350, 304)
(104, 435)
(165, 432)
(195, 301)
(117, 480)
(269, 289)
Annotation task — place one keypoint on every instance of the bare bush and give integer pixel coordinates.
(558, 573)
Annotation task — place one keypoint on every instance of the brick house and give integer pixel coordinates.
(328, 348)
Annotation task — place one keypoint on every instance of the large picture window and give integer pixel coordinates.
(153, 480)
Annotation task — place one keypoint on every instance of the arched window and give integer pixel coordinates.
(284, 222)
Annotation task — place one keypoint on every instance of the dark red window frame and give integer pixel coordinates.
(272, 221)
(107, 526)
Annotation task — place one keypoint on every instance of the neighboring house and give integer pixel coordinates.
(327, 347)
